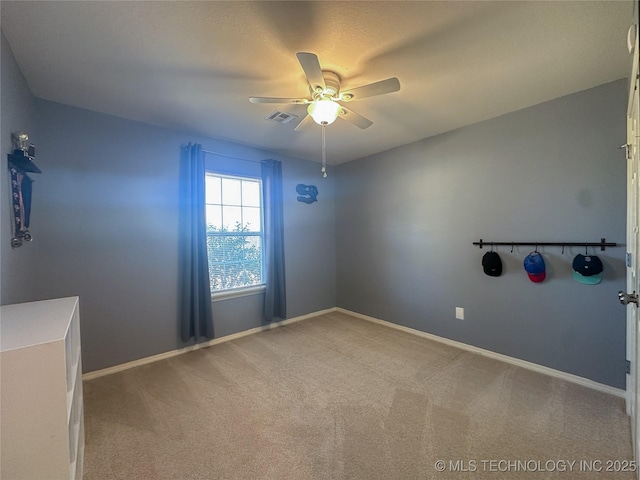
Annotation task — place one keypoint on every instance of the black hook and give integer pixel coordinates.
(512, 248)
(562, 248)
(586, 250)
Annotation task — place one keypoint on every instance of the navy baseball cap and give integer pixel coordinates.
(534, 265)
(587, 269)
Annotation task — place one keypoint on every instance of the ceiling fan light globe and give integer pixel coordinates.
(324, 112)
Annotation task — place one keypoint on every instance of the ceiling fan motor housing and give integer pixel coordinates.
(332, 86)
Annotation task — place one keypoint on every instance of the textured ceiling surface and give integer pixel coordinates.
(192, 66)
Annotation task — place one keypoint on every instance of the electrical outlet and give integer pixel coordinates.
(460, 313)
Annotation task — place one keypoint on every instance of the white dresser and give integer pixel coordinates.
(41, 419)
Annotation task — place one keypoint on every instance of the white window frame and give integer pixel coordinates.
(217, 295)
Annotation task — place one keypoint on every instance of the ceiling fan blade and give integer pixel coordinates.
(311, 66)
(303, 123)
(278, 100)
(372, 89)
(355, 118)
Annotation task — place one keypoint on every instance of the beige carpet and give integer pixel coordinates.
(336, 397)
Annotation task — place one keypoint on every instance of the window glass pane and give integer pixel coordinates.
(251, 194)
(227, 279)
(251, 218)
(231, 191)
(252, 248)
(231, 271)
(252, 273)
(216, 276)
(214, 218)
(234, 204)
(232, 218)
(212, 189)
(215, 250)
(249, 274)
(233, 248)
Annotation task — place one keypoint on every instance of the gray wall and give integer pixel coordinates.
(17, 116)
(553, 172)
(107, 231)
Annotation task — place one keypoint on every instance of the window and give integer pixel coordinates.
(235, 235)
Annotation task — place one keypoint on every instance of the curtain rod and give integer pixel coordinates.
(231, 156)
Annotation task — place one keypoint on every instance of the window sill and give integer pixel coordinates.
(237, 293)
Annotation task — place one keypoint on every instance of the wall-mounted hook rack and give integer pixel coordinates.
(602, 244)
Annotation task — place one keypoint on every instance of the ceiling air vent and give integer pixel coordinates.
(281, 117)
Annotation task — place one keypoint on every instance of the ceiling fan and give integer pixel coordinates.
(324, 88)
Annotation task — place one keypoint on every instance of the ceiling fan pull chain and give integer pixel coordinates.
(324, 154)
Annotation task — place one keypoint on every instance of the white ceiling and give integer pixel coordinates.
(192, 66)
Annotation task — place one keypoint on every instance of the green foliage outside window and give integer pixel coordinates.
(235, 257)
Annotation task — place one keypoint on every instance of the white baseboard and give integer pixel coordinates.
(585, 382)
(197, 346)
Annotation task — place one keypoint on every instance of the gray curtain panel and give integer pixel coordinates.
(275, 304)
(195, 292)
